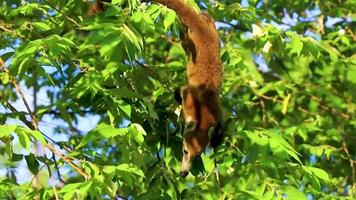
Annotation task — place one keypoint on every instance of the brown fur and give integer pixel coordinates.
(96, 7)
(202, 44)
(200, 99)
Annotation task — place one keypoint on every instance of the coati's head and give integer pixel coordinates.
(194, 143)
(201, 112)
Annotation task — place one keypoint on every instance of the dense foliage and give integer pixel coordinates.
(288, 94)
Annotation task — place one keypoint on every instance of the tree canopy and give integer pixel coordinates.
(288, 93)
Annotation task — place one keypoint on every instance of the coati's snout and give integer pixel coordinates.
(194, 143)
(189, 154)
(186, 162)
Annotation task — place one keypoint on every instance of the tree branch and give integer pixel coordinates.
(351, 161)
(34, 124)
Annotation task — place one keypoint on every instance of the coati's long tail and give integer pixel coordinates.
(189, 17)
(202, 44)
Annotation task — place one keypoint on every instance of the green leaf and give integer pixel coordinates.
(208, 162)
(137, 133)
(7, 55)
(103, 131)
(123, 92)
(42, 25)
(32, 164)
(351, 74)
(37, 135)
(126, 108)
(169, 19)
(6, 130)
(319, 173)
(131, 169)
(296, 43)
(293, 193)
(109, 170)
(24, 138)
(117, 2)
(16, 157)
(4, 78)
(268, 195)
(132, 4)
(70, 187)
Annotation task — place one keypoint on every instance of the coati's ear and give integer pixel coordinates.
(178, 96)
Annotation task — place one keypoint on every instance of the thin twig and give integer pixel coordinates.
(53, 182)
(321, 24)
(327, 108)
(351, 161)
(60, 180)
(12, 32)
(152, 72)
(263, 110)
(65, 16)
(217, 176)
(34, 125)
(18, 89)
(321, 105)
(67, 160)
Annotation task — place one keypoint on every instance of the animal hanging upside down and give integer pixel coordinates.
(200, 98)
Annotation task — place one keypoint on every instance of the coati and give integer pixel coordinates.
(97, 7)
(200, 98)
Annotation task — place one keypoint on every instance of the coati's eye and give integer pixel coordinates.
(185, 151)
(191, 126)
